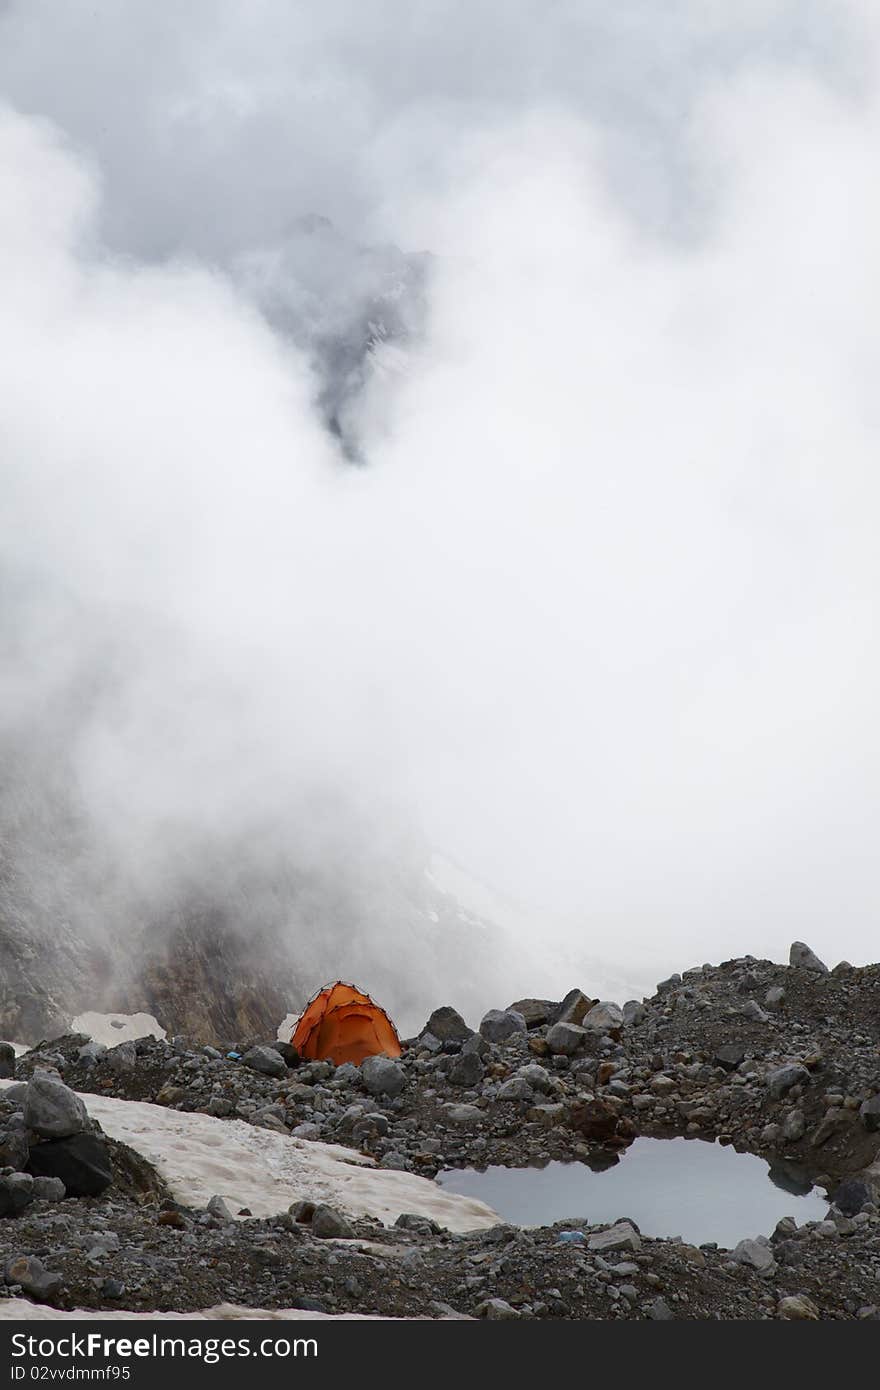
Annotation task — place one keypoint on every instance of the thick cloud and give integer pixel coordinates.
(597, 617)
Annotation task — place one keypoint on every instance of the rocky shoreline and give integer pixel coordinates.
(779, 1061)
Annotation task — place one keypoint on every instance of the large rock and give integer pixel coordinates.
(851, 1195)
(121, 1059)
(536, 1012)
(266, 1061)
(729, 1056)
(573, 1007)
(82, 1162)
(781, 1081)
(500, 1024)
(448, 1025)
(623, 1236)
(467, 1069)
(329, 1224)
(634, 1013)
(603, 1017)
(52, 1109)
(756, 1255)
(564, 1039)
(595, 1120)
(801, 956)
(7, 1061)
(515, 1088)
(382, 1076)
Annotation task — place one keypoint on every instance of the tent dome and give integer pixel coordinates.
(342, 1024)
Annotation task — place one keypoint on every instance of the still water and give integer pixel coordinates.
(691, 1188)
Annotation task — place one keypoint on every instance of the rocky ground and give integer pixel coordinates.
(781, 1061)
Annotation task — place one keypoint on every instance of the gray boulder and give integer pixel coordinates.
(52, 1110)
(467, 1069)
(81, 1161)
(623, 1236)
(266, 1061)
(7, 1061)
(781, 1081)
(477, 1044)
(13, 1148)
(538, 1077)
(536, 1012)
(121, 1059)
(382, 1076)
(31, 1274)
(803, 958)
(329, 1224)
(515, 1088)
(634, 1013)
(500, 1024)
(463, 1114)
(603, 1017)
(756, 1255)
(49, 1190)
(564, 1039)
(91, 1053)
(448, 1025)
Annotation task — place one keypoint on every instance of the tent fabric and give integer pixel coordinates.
(342, 1024)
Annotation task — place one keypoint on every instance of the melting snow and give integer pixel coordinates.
(111, 1029)
(200, 1156)
(19, 1308)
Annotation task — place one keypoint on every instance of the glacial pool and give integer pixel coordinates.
(691, 1188)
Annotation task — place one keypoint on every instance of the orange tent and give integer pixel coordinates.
(342, 1024)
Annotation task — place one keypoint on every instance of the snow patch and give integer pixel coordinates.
(286, 1027)
(18, 1048)
(111, 1029)
(200, 1156)
(20, 1309)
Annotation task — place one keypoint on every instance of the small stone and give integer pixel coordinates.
(869, 1113)
(328, 1224)
(729, 1056)
(31, 1275)
(659, 1311)
(16, 1192)
(797, 1308)
(794, 1126)
(463, 1114)
(775, 997)
(496, 1309)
